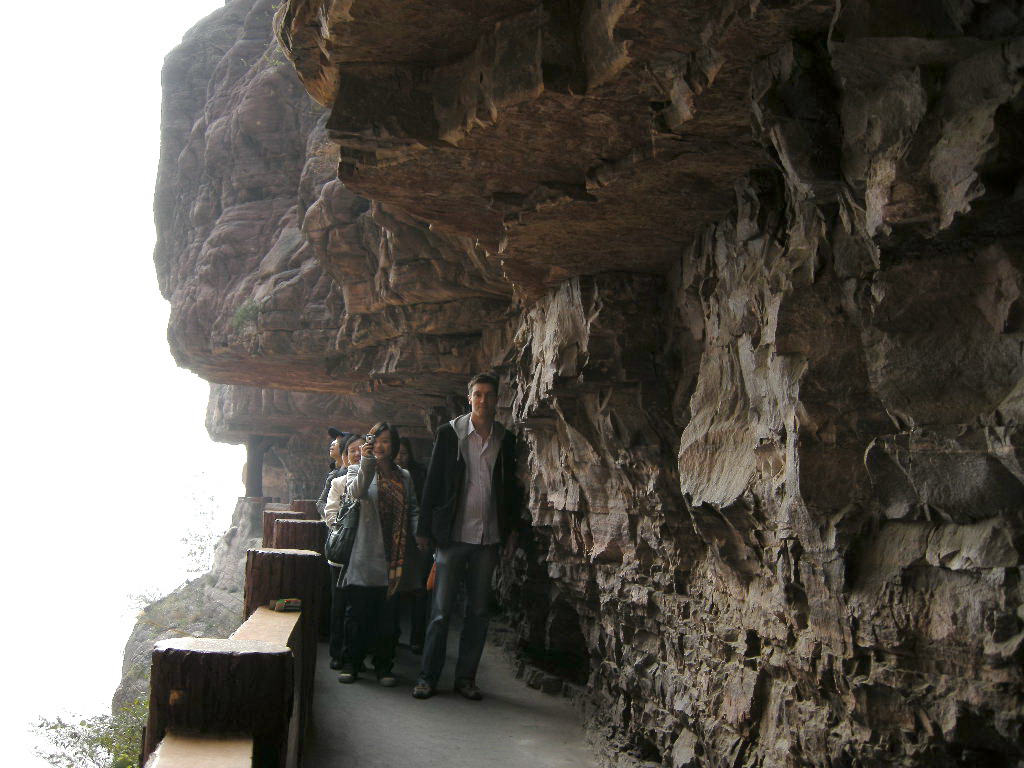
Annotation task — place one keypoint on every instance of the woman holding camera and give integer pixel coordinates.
(384, 544)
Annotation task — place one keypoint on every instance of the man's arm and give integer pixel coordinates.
(433, 489)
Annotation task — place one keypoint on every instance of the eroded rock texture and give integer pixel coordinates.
(270, 265)
(751, 274)
(234, 167)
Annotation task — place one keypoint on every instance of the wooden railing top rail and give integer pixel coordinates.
(255, 687)
(221, 645)
(223, 687)
(180, 751)
(269, 626)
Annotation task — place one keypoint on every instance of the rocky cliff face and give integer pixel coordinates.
(209, 606)
(295, 423)
(751, 275)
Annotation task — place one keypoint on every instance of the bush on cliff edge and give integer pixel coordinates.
(103, 741)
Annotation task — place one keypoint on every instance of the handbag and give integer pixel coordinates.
(342, 535)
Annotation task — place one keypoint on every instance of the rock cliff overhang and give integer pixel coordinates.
(752, 276)
(566, 138)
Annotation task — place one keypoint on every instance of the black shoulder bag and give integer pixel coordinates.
(342, 535)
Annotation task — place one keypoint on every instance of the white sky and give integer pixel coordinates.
(105, 451)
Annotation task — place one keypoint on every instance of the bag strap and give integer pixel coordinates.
(349, 509)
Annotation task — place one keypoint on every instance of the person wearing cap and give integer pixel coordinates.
(334, 450)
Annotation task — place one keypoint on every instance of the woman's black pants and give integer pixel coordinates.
(337, 621)
(370, 621)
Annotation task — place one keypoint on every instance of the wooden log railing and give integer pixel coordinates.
(307, 507)
(223, 687)
(244, 700)
(299, 534)
(311, 535)
(299, 509)
(265, 625)
(270, 518)
(301, 527)
(272, 574)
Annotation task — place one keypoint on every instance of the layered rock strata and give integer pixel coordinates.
(270, 266)
(751, 275)
(295, 424)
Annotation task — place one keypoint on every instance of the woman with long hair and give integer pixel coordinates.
(384, 544)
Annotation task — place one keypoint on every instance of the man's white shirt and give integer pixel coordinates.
(477, 521)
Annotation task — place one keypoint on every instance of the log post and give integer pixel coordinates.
(206, 686)
(312, 535)
(271, 626)
(255, 448)
(272, 574)
(270, 517)
(290, 533)
(307, 507)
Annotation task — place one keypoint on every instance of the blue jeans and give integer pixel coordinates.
(472, 565)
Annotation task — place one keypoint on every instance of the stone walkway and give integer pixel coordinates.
(366, 726)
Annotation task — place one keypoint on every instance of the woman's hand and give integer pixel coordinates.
(367, 450)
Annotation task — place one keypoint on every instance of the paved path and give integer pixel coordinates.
(363, 725)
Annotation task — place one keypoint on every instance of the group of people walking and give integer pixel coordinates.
(465, 510)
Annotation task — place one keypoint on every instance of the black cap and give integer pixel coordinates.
(335, 432)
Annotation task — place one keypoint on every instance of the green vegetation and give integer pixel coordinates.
(103, 741)
(245, 316)
(273, 56)
(139, 601)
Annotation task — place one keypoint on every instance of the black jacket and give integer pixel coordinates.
(442, 491)
(322, 501)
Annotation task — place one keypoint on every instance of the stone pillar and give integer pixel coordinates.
(305, 460)
(255, 447)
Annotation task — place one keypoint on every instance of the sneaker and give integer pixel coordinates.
(468, 690)
(422, 690)
(386, 679)
(347, 675)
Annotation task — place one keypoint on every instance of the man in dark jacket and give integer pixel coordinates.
(470, 509)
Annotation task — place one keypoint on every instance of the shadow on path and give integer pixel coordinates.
(368, 726)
